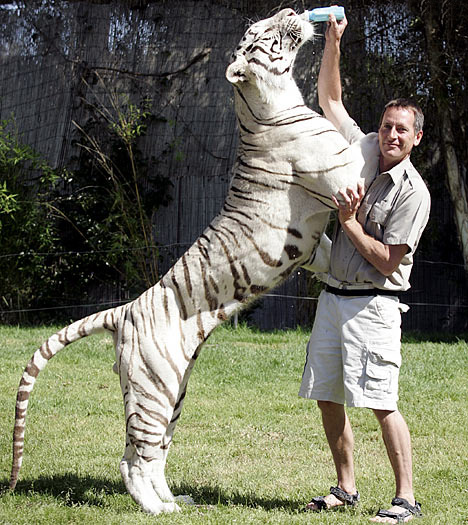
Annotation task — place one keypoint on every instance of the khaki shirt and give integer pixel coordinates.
(395, 210)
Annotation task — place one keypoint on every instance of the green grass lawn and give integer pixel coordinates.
(247, 448)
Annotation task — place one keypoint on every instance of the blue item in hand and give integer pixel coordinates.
(320, 14)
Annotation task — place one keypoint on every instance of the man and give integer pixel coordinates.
(353, 356)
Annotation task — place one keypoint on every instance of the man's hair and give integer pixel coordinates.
(408, 104)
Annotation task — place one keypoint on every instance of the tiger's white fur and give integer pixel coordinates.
(290, 161)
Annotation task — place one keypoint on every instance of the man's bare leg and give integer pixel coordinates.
(341, 442)
(397, 440)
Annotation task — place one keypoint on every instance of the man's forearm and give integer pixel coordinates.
(329, 80)
(385, 258)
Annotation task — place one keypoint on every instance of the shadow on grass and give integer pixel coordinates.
(69, 488)
(73, 490)
(212, 495)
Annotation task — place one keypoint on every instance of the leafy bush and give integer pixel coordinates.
(64, 233)
(26, 221)
(113, 194)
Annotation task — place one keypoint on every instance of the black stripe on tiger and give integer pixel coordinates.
(188, 282)
(245, 274)
(211, 298)
(230, 209)
(292, 251)
(180, 296)
(201, 330)
(156, 380)
(254, 182)
(292, 231)
(272, 70)
(227, 252)
(230, 234)
(275, 123)
(246, 195)
(317, 195)
(266, 258)
(203, 250)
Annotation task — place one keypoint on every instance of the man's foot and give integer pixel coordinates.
(337, 498)
(400, 512)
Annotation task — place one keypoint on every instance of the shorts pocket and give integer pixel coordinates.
(388, 310)
(382, 370)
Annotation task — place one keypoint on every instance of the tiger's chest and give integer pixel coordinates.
(300, 143)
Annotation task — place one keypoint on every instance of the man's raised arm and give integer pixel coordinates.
(329, 80)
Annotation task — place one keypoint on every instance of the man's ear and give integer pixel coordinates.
(418, 137)
(236, 72)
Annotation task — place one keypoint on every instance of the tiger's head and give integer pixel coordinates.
(266, 54)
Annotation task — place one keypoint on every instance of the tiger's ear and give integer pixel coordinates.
(236, 72)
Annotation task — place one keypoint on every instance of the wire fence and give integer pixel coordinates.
(175, 55)
(435, 302)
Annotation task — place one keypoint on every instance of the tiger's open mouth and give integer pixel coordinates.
(298, 30)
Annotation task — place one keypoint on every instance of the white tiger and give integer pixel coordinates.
(290, 161)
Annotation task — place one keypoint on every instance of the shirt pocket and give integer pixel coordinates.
(380, 212)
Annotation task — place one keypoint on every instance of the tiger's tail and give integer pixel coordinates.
(101, 321)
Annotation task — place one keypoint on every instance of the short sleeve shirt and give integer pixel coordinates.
(395, 210)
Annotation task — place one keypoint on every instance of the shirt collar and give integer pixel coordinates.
(397, 172)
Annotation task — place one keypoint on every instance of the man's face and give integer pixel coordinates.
(397, 136)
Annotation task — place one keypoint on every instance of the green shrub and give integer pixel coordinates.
(26, 221)
(66, 233)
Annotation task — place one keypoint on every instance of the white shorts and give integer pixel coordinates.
(353, 355)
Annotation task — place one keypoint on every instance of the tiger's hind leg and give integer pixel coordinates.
(161, 486)
(141, 479)
(146, 480)
(148, 411)
(149, 435)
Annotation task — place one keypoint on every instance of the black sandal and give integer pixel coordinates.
(350, 500)
(414, 510)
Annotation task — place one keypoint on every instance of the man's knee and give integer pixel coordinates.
(383, 415)
(330, 406)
